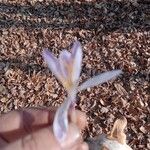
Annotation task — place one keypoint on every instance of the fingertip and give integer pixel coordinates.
(81, 119)
(73, 116)
(73, 136)
(83, 146)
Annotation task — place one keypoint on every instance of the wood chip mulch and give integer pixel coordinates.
(114, 35)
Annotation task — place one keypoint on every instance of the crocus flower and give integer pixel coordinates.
(67, 69)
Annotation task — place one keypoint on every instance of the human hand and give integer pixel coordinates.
(31, 129)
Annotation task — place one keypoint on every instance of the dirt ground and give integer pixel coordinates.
(114, 35)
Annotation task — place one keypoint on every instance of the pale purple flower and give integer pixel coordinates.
(67, 68)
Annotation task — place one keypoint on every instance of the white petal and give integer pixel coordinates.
(60, 124)
(65, 60)
(77, 60)
(99, 79)
(52, 63)
(65, 55)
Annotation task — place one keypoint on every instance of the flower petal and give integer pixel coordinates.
(65, 62)
(99, 79)
(65, 55)
(52, 63)
(60, 124)
(77, 61)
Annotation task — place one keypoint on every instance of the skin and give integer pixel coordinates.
(31, 129)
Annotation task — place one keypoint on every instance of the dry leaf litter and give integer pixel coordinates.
(114, 35)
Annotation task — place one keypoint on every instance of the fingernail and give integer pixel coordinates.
(73, 136)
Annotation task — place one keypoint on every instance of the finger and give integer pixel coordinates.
(79, 118)
(2, 142)
(82, 146)
(19, 123)
(40, 140)
(79, 146)
(74, 140)
(29, 120)
(44, 139)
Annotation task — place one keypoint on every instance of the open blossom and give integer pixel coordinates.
(67, 68)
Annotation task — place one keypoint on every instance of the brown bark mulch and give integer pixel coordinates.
(114, 35)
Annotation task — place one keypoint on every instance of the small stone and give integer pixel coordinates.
(142, 129)
(3, 100)
(3, 89)
(104, 110)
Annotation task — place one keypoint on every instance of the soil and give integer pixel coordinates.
(114, 35)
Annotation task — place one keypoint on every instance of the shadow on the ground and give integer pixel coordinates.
(30, 68)
(17, 63)
(104, 16)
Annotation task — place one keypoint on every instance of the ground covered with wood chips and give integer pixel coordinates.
(114, 35)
